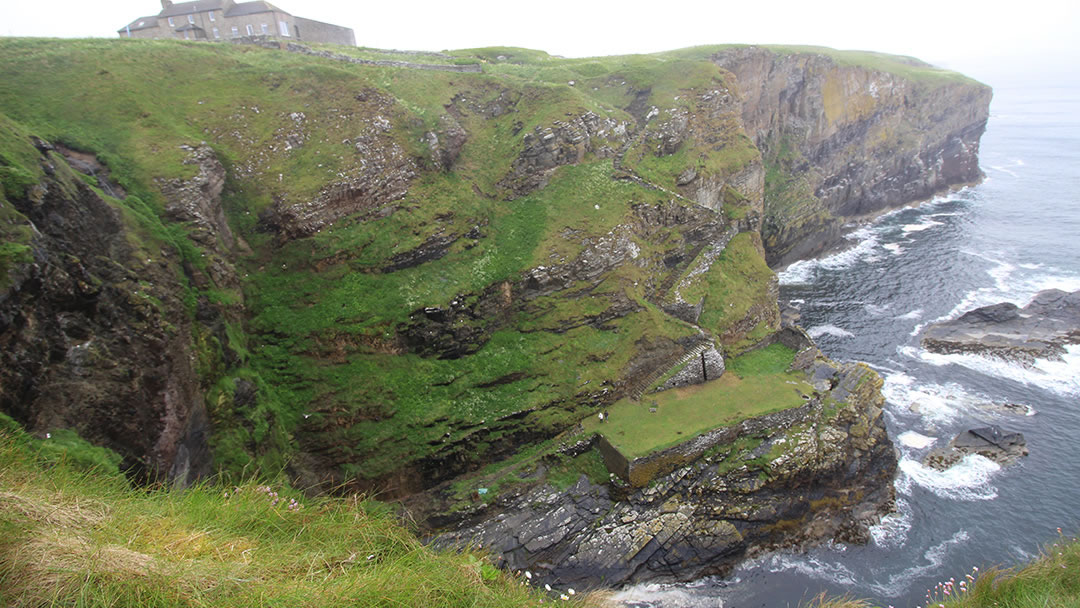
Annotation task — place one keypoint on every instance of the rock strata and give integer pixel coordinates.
(1040, 330)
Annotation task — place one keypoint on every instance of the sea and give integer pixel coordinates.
(1003, 240)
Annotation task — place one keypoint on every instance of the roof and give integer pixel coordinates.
(251, 8)
(141, 23)
(187, 8)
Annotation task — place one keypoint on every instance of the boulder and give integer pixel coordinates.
(1000, 446)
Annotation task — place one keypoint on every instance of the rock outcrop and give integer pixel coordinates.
(1040, 330)
(95, 334)
(453, 266)
(826, 474)
(1000, 446)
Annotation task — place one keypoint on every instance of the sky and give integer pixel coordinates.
(1018, 42)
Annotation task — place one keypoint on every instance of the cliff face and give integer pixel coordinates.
(392, 277)
(95, 331)
(844, 140)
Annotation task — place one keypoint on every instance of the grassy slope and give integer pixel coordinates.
(322, 311)
(72, 537)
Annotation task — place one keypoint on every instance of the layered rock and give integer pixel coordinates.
(846, 140)
(991, 442)
(1040, 330)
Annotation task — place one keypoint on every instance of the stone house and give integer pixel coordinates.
(223, 20)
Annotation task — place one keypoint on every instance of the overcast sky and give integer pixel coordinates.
(990, 40)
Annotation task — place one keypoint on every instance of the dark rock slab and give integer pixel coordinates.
(1039, 330)
(992, 442)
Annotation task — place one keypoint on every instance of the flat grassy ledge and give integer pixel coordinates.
(757, 383)
(642, 439)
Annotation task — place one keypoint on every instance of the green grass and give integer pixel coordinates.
(759, 384)
(773, 359)
(1051, 580)
(89, 539)
(737, 282)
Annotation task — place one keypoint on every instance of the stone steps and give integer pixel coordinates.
(640, 386)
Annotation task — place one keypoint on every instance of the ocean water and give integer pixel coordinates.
(1011, 236)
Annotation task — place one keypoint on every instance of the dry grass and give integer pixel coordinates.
(69, 538)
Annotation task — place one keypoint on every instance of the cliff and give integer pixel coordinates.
(845, 135)
(382, 276)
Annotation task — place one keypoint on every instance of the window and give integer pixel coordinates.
(211, 15)
(265, 29)
(191, 19)
(171, 24)
(235, 32)
(217, 34)
(250, 30)
(284, 27)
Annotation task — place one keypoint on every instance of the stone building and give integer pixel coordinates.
(224, 20)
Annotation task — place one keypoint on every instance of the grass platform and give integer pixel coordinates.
(755, 384)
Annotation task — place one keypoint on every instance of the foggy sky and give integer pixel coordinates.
(1038, 40)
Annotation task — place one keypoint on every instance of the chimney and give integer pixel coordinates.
(166, 5)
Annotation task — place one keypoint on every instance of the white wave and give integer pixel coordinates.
(803, 271)
(935, 403)
(1062, 377)
(891, 532)
(966, 480)
(928, 223)
(915, 314)
(893, 248)
(659, 595)
(799, 273)
(812, 566)
(914, 440)
(877, 310)
(1004, 170)
(829, 330)
(817, 567)
(1031, 266)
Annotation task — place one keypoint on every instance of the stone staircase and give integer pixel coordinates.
(640, 385)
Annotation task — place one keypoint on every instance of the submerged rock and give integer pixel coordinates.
(1039, 330)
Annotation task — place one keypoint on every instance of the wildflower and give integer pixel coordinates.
(570, 591)
(547, 587)
(528, 575)
(564, 597)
